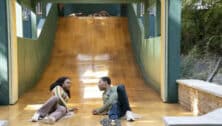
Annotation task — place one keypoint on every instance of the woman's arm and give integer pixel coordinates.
(60, 93)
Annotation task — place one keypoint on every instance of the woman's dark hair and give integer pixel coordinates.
(106, 79)
(59, 82)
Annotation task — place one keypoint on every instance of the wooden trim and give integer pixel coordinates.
(164, 51)
(12, 51)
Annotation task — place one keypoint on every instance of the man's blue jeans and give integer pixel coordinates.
(119, 109)
(114, 112)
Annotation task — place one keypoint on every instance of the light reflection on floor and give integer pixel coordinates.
(94, 74)
(91, 92)
(100, 57)
(90, 73)
(33, 107)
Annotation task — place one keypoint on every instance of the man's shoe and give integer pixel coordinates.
(129, 116)
(115, 122)
(109, 122)
(104, 122)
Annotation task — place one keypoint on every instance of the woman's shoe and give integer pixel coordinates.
(35, 117)
(48, 120)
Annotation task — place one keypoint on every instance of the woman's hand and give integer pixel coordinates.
(73, 109)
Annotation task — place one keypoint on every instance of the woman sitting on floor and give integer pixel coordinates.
(56, 106)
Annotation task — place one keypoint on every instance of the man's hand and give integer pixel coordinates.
(94, 112)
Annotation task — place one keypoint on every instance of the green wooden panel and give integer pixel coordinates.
(150, 55)
(90, 1)
(33, 55)
(146, 51)
(174, 34)
(4, 82)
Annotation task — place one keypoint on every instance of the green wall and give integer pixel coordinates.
(33, 55)
(146, 51)
(4, 82)
(90, 1)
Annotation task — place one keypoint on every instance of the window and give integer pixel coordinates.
(140, 9)
(39, 8)
(29, 24)
(152, 20)
(48, 7)
(26, 14)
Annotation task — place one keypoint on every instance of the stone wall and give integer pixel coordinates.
(198, 96)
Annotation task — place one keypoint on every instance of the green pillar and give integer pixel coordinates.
(123, 9)
(158, 13)
(146, 19)
(4, 70)
(173, 48)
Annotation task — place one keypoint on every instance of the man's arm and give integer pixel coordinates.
(111, 100)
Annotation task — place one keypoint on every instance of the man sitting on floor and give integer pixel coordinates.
(115, 101)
